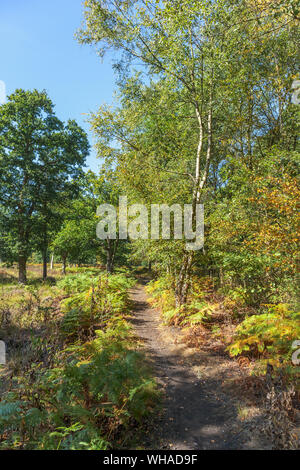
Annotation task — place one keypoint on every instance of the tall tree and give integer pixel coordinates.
(61, 182)
(176, 41)
(208, 57)
(38, 155)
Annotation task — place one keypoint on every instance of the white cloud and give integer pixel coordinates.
(2, 92)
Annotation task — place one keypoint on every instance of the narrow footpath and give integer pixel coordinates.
(198, 412)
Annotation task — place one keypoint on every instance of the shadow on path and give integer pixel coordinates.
(197, 413)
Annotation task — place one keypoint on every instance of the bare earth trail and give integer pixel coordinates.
(198, 414)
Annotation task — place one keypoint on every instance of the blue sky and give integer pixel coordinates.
(38, 50)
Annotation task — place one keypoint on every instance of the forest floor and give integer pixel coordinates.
(204, 405)
(210, 401)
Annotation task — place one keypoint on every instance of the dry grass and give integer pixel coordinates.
(29, 317)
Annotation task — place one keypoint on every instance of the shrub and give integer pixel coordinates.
(94, 302)
(100, 387)
(93, 391)
(269, 335)
(195, 311)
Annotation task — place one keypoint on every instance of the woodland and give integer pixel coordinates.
(207, 112)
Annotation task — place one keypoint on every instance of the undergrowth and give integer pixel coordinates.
(86, 386)
(263, 336)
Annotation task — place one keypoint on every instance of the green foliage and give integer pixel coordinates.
(197, 312)
(192, 313)
(94, 390)
(208, 119)
(95, 301)
(152, 136)
(162, 297)
(39, 156)
(74, 241)
(100, 387)
(269, 335)
(253, 234)
(75, 283)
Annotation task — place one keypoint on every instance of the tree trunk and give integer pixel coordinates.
(111, 248)
(44, 264)
(109, 266)
(64, 265)
(221, 276)
(45, 249)
(183, 281)
(52, 261)
(109, 257)
(22, 269)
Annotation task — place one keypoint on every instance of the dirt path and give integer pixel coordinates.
(198, 413)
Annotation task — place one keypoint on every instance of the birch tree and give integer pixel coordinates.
(176, 42)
